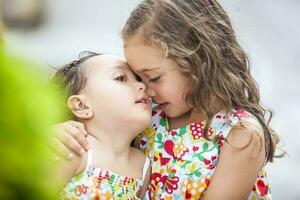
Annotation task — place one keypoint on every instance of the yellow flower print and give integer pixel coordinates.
(104, 196)
(192, 168)
(147, 139)
(179, 151)
(194, 190)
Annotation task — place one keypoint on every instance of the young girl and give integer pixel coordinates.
(106, 97)
(209, 138)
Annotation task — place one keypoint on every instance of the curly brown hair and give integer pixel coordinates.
(199, 36)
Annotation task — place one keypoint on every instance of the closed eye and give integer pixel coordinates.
(152, 80)
(139, 79)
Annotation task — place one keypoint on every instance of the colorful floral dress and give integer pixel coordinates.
(183, 161)
(96, 183)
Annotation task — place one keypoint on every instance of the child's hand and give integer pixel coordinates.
(69, 138)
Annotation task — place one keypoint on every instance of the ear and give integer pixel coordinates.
(79, 107)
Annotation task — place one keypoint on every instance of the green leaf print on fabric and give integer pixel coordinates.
(162, 122)
(198, 173)
(200, 157)
(159, 141)
(185, 163)
(182, 131)
(205, 146)
(159, 137)
(204, 150)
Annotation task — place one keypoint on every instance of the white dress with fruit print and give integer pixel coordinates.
(183, 161)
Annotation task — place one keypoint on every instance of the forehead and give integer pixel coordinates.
(143, 57)
(105, 64)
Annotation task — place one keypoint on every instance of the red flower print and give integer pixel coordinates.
(81, 190)
(162, 115)
(168, 146)
(179, 151)
(173, 133)
(239, 113)
(170, 182)
(207, 162)
(195, 148)
(154, 112)
(143, 142)
(262, 187)
(220, 143)
(210, 163)
(163, 161)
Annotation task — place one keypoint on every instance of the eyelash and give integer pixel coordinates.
(154, 79)
(121, 78)
(137, 78)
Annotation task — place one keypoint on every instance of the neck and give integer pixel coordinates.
(185, 119)
(191, 116)
(111, 140)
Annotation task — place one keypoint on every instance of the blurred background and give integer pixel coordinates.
(53, 32)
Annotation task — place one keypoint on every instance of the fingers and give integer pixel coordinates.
(78, 132)
(69, 138)
(73, 139)
(60, 150)
(78, 125)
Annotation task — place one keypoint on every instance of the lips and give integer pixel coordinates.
(163, 105)
(144, 100)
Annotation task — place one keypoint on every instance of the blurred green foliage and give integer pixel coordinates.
(28, 110)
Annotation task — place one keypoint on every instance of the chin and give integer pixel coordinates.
(174, 114)
(144, 122)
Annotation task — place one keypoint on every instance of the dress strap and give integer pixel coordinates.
(145, 168)
(89, 158)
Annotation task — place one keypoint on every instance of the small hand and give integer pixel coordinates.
(69, 139)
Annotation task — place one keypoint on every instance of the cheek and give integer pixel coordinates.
(112, 103)
(110, 97)
(177, 85)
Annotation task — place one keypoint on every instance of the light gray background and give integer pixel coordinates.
(267, 29)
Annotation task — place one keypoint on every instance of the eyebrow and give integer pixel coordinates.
(122, 68)
(147, 70)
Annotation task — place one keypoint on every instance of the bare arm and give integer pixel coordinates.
(241, 159)
(65, 170)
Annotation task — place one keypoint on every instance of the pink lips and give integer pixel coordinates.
(144, 100)
(163, 105)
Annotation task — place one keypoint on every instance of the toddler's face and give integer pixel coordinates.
(114, 92)
(166, 84)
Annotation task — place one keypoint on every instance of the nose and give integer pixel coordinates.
(141, 86)
(150, 92)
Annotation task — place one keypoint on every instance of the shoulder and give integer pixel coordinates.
(247, 134)
(76, 165)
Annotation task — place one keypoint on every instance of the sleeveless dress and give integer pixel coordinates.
(183, 161)
(100, 184)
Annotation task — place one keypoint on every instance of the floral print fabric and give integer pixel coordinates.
(183, 161)
(98, 184)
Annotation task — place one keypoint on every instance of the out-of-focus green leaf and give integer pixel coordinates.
(28, 110)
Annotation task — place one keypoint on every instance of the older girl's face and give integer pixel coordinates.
(166, 85)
